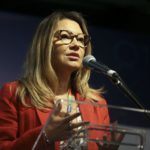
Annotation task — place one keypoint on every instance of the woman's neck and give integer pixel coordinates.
(63, 84)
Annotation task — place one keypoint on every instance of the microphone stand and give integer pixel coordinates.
(90, 61)
(116, 79)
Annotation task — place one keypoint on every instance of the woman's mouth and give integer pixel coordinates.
(73, 56)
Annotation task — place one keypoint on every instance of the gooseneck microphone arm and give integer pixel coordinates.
(90, 62)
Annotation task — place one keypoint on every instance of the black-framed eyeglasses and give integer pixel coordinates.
(66, 37)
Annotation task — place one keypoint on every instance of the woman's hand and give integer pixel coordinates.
(58, 126)
(115, 137)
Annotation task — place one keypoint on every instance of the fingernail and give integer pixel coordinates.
(87, 122)
(60, 101)
(77, 114)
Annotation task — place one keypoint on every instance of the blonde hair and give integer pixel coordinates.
(40, 80)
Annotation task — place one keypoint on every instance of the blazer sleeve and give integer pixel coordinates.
(9, 139)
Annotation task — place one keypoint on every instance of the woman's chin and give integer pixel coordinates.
(74, 66)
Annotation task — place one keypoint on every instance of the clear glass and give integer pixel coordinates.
(135, 137)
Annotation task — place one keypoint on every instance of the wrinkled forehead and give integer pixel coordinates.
(68, 24)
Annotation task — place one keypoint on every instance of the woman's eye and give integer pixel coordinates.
(81, 39)
(64, 36)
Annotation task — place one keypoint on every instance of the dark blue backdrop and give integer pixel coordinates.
(126, 52)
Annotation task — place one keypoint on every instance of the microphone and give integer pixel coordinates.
(90, 62)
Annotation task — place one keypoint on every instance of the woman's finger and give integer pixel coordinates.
(116, 136)
(57, 108)
(114, 133)
(64, 135)
(76, 125)
(71, 117)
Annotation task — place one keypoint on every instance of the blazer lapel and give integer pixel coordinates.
(43, 115)
(85, 109)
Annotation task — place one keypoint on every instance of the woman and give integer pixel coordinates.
(53, 71)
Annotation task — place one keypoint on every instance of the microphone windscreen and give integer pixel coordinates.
(87, 59)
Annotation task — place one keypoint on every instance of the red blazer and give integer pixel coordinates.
(20, 126)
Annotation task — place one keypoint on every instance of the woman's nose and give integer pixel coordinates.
(74, 44)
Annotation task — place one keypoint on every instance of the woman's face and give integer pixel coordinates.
(68, 51)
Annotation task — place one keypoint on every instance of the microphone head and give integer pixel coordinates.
(87, 59)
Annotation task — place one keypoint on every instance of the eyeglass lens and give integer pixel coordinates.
(67, 37)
